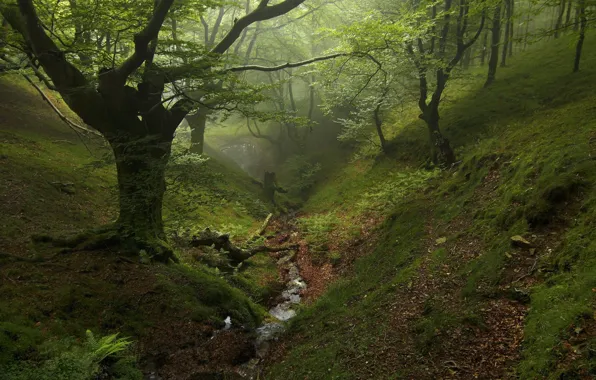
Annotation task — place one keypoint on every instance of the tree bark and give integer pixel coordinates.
(467, 58)
(441, 151)
(508, 28)
(559, 22)
(568, 13)
(494, 51)
(484, 48)
(379, 126)
(582, 34)
(197, 123)
(512, 30)
(141, 163)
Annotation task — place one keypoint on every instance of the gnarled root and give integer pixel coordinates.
(114, 237)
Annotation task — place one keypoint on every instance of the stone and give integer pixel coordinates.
(520, 242)
(441, 240)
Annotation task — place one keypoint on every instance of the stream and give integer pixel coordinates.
(282, 312)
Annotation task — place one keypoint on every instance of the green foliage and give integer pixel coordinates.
(317, 227)
(208, 296)
(66, 359)
(17, 341)
(303, 173)
(106, 346)
(386, 195)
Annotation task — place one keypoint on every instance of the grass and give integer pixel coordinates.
(532, 132)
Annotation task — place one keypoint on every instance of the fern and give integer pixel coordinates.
(106, 346)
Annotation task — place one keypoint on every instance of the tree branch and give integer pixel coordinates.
(261, 13)
(67, 79)
(142, 40)
(287, 65)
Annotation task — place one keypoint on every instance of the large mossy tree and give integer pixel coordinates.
(126, 101)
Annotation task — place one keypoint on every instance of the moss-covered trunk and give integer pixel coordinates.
(441, 152)
(141, 164)
(197, 123)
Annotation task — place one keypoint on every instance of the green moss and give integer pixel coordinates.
(208, 296)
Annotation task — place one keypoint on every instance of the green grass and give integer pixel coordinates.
(534, 131)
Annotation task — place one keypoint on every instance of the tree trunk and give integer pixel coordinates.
(559, 23)
(441, 152)
(576, 17)
(467, 58)
(140, 164)
(379, 127)
(568, 14)
(440, 149)
(197, 123)
(582, 34)
(508, 27)
(494, 52)
(484, 48)
(511, 31)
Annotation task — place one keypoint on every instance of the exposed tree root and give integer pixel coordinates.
(236, 254)
(113, 237)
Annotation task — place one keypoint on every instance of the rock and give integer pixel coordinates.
(65, 187)
(441, 240)
(520, 242)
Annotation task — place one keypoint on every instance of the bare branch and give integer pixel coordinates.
(261, 13)
(287, 65)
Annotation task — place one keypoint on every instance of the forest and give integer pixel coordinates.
(297, 189)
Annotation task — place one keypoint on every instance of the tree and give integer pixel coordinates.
(136, 122)
(583, 20)
(429, 52)
(494, 51)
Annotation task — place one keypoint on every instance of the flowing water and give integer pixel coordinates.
(282, 312)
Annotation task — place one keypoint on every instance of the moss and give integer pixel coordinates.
(208, 296)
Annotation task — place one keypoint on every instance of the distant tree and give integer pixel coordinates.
(494, 47)
(583, 21)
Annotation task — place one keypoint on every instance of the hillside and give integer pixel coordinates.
(485, 271)
(58, 182)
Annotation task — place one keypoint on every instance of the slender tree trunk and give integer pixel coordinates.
(512, 28)
(577, 17)
(197, 123)
(484, 48)
(559, 23)
(508, 27)
(379, 127)
(582, 34)
(467, 58)
(568, 13)
(441, 151)
(494, 52)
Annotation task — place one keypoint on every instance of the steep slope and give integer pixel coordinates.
(484, 271)
(54, 181)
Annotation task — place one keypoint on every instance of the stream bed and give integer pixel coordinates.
(282, 312)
